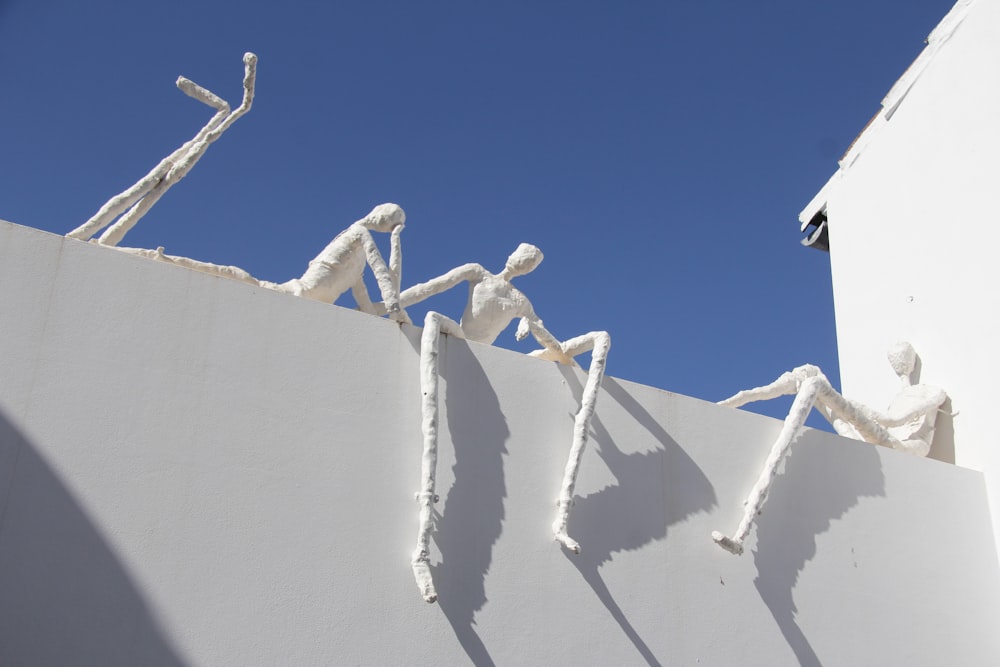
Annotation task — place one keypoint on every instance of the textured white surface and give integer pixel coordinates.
(195, 471)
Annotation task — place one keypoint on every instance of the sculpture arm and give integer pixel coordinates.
(390, 295)
(930, 400)
(552, 349)
(396, 257)
(423, 291)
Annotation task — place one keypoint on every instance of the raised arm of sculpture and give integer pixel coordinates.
(386, 277)
(908, 425)
(396, 258)
(134, 202)
(493, 303)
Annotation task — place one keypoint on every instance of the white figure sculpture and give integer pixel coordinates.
(338, 268)
(493, 303)
(134, 202)
(907, 425)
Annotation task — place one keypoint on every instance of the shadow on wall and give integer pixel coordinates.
(628, 516)
(64, 597)
(473, 512)
(943, 446)
(816, 487)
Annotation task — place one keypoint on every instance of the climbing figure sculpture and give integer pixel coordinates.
(907, 425)
(136, 201)
(493, 303)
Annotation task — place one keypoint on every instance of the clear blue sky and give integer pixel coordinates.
(657, 152)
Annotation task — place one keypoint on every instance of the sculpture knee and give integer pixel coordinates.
(602, 342)
(815, 386)
(432, 319)
(437, 323)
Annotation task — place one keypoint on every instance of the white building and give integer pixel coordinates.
(910, 224)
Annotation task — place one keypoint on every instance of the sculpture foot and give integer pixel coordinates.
(727, 543)
(567, 541)
(422, 573)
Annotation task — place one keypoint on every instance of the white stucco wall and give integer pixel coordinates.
(913, 241)
(194, 471)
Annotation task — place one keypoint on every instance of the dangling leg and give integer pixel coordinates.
(434, 324)
(600, 342)
(793, 424)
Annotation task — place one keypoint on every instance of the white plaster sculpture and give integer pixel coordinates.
(134, 202)
(338, 268)
(493, 303)
(907, 425)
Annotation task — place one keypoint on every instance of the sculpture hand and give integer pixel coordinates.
(400, 316)
(523, 329)
(395, 313)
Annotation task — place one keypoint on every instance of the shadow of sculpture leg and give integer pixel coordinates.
(655, 489)
(798, 511)
(592, 576)
(473, 510)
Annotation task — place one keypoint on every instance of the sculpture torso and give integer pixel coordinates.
(921, 427)
(493, 303)
(335, 270)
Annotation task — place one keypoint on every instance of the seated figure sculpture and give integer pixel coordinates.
(136, 201)
(338, 268)
(907, 425)
(493, 303)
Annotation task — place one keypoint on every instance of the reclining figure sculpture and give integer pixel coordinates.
(907, 425)
(338, 268)
(493, 303)
(136, 201)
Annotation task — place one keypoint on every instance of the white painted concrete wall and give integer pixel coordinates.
(914, 241)
(195, 471)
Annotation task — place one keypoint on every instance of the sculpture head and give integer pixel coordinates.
(384, 218)
(903, 359)
(523, 260)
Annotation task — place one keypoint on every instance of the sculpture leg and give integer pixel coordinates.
(787, 383)
(232, 272)
(600, 342)
(758, 494)
(116, 232)
(123, 201)
(139, 198)
(434, 324)
(862, 420)
(360, 293)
